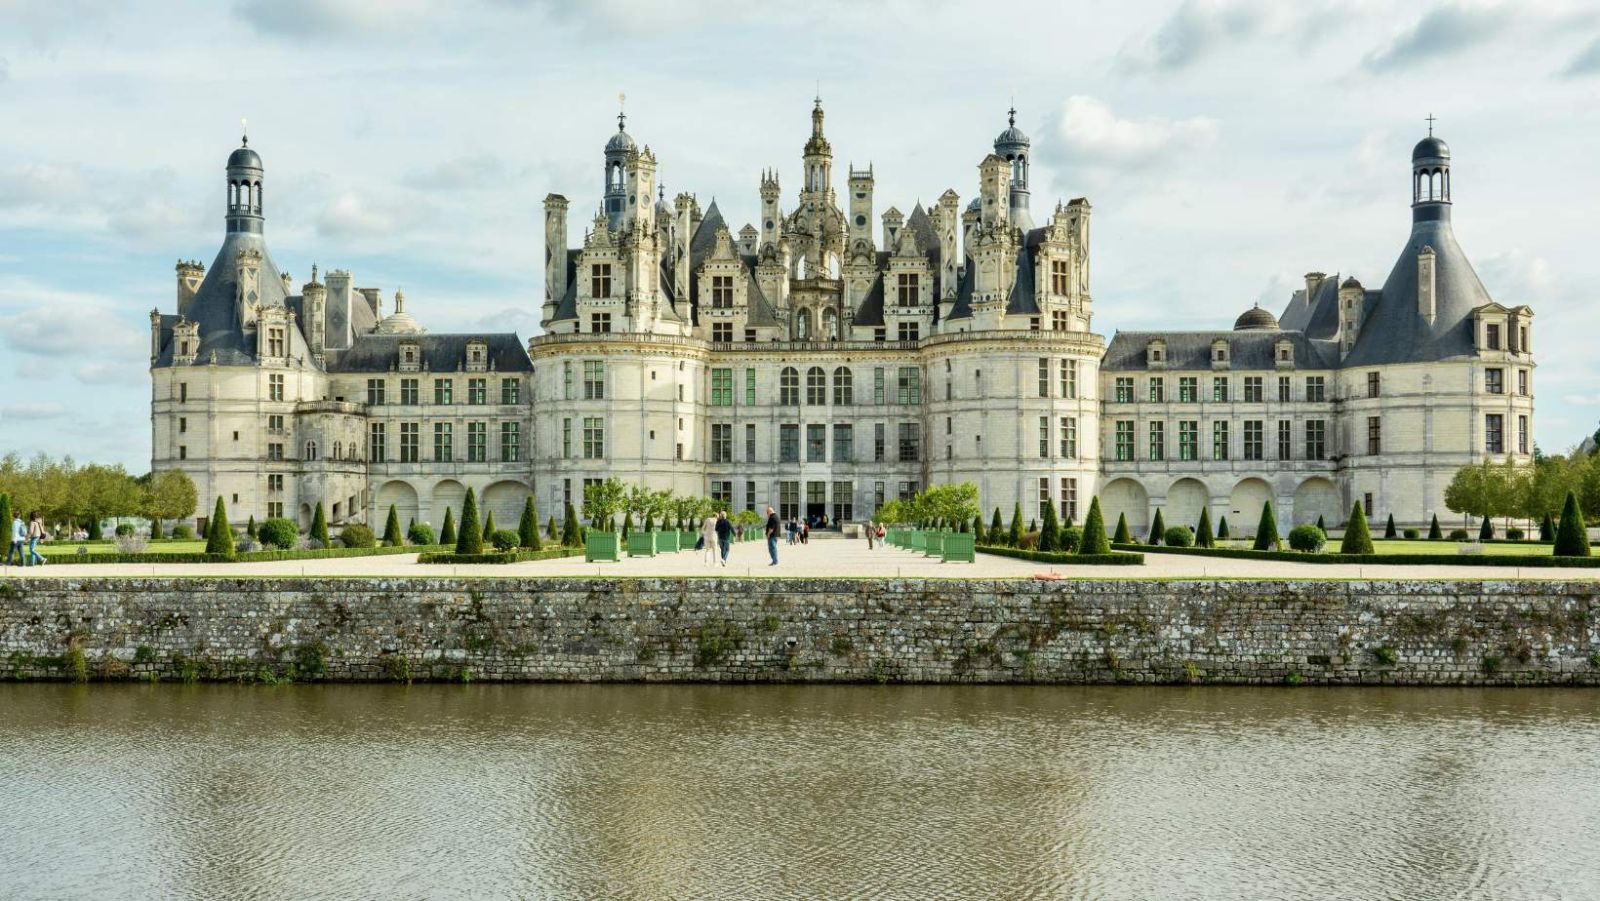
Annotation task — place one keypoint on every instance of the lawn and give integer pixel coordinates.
(53, 549)
(1490, 548)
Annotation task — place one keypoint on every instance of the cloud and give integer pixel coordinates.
(1587, 62)
(479, 170)
(1441, 32)
(1516, 276)
(328, 19)
(67, 326)
(5, 69)
(1193, 31)
(32, 410)
(41, 185)
(349, 216)
(1086, 131)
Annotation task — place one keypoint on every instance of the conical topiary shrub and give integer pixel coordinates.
(469, 537)
(1222, 528)
(219, 535)
(489, 527)
(977, 528)
(249, 529)
(1158, 528)
(1357, 539)
(627, 524)
(1122, 536)
(1202, 532)
(319, 526)
(528, 528)
(391, 529)
(447, 532)
(1388, 529)
(1547, 529)
(1094, 531)
(552, 529)
(5, 518)
(1434, 532)
(1014, 537)
(997, 529)
(1267, 529)
(1572, 538)
(1322, 525)
(1486, 530)
(571, 535)
(649, 522)
(155, 525)
(1050, 532)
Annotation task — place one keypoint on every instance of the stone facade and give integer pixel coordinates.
(804, 630)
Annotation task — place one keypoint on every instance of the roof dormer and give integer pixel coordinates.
(1221, 358)
(1155, 353)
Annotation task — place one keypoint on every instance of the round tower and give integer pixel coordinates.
(616, 178)
(1430, 179)
(1013, 146)
(244, 189)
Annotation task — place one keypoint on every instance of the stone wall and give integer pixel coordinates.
(801, 630)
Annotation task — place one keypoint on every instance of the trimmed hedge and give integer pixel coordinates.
(250, 557)
(553, 553)
(1111, 559)
(1377, 559)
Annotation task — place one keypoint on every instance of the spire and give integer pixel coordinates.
(244, 188)
(622, 115)
(816, 117)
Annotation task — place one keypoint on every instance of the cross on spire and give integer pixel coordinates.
(1431, 120)
(1011, 114)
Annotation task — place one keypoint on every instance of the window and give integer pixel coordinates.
(789, 443)
(1219, 441)
(1252, 389)
(510, 442)
(274, 388)
(750, 496)
(410, 442)
(510, 391)
(1188, 390)
(910, 442)
(477, 391)
(843, 501)
(1044, 495)
(1044, 437)
(722, 387)
(311, 450)
(1254, 444)
(1124, 439)
(1315, 390)
(1069, 500)
(789, 387)
(878, 496)
(1069, 379)
(566, 439)
(816, 443)
(1158, 441)
(1059, 320)
(1044, 376)
(909, 384)
(1219, 389)
(1284, 391)
(1494, 381)
(1069, 437)
(275, 509)
(1522, 434)
(375, 443)
(1523, 344)
(1373, 380)
(275, 482)
(880, 334)
(183, 391)
(722, 493)
(722, 332)
(1188, 439)
(443, 442)
(183, 452)
(879, 452)
(722, 296)
(1158, 390)
(374, 392)
(566, 380)
(906, 289)
(275, 423)
(1522, 382)
(877, 385)
(750, 442)
(594, 438)
(183, 424)
(1124, 389)
(721, 442)
(600, 280)
(1316, 439)
(1492, 335)
(844, 443)
(477, 442)
(750, 338)
(275, 451)
(816, 387)
(599, 323)
(1374, 435)
(274, 342)
(908, 490)
(1366, 501)
(442, 393)
(1494, 439)
(909, 331)
(1058, 276)
(1285, 440)
(594, 379)
(843, 387)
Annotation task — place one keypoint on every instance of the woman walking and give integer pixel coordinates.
(708, 538)
(35, 535)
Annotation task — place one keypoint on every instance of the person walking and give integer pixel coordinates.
(19, 535)
(35, 535)
(724, 535)
(708, 538)
(773, 528)
(872, 535)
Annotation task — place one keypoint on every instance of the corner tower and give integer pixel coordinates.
(1013, 146)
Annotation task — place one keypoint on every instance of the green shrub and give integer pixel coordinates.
(1514, 534)
(1029, 541)
(1357, 540)
(1386, 656)
(1050, 532)
(1116, 558)
(357, 535)
(627, 524)
(1412, 534)
(1178, 536)
(1094, 540)
(1071, 540)
(249, 529)
(1222, 528)
(1547, 529)
(447, 532)
(1460, 535)
(528, 528)
(1158, 529)
(505, 540)
(1014, 537)
(1202, 532)
(1307, 539)
(420, 533)
(571, 534)
(183, 532)
(219, 535)
(1572, 539)
(977, 528)
(1486, 530)
(1322, 525)
(1388, 529)
(1122, 535)
(1434, 532)
(123, 530)
(1267, 529)
(469, 540)
(391, 529)
(279, 533)
(489, 527)
(319, 527)
(997, 529)
(552, 530)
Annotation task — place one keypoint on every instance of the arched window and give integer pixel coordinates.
(830, 324)
(802, 325)
(843, 387)
(311, 450)
(816, 387)
(338, 450)
(789, 386)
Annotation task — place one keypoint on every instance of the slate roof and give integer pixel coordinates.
(215, 308)
(440, 353)
(1247, 350)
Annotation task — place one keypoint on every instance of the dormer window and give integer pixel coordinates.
(1491, 336)
(410, 356)
(1058, 277)
(907, 289)
(722, 292)
(1155, 354)
(600, 280)
(1219, 353)
(477, 355)
(275, 342)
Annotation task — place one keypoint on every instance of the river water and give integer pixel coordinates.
(559, 791)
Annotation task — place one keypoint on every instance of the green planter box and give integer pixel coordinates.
(667, 542)
(642, 544)
(960, 547)
(933, 543)
(917, 537)
(686, 540)
(602, 546)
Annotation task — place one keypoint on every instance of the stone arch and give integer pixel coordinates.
(305, 517)
(404, 499)
(1126, 497)
(505, 499)
(447, 494)
(1317, 497)
(1244, 505)
(1185, 499)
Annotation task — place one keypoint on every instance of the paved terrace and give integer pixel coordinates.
(830, 557)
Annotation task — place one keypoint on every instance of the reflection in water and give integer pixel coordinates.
(797, 792)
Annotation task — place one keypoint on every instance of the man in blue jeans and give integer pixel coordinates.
(773, 528)
(16, 540)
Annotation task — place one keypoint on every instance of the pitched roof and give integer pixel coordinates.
(440, 353)
(1247, 350)
(1392, 328)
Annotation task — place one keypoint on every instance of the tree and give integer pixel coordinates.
(1434, 532)
(602, 501)
(489, 527)
(1357, 539)
(1267, 529)
(552, 530)
(249, 529)
(1389, 530)
(1158, 529)
(1202, 532)
(1547, 529)
(997, 529)
(977, 529)
(391, 529)
(528, 528)
(1222, 528)
(1321, 524)
(219, 536)
(1050, 532)
(1486, 530)
(1122, 536)
(1094, 531)
(469, 538)
(570, 536)
(627, 524)
(5, 519)
(447, 532)
(1014, 538)
(1572, 539)
(319, 526)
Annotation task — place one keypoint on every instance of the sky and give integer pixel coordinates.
(1227, 146)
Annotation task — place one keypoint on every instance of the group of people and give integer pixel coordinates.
(716, 536)
(25, 538)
